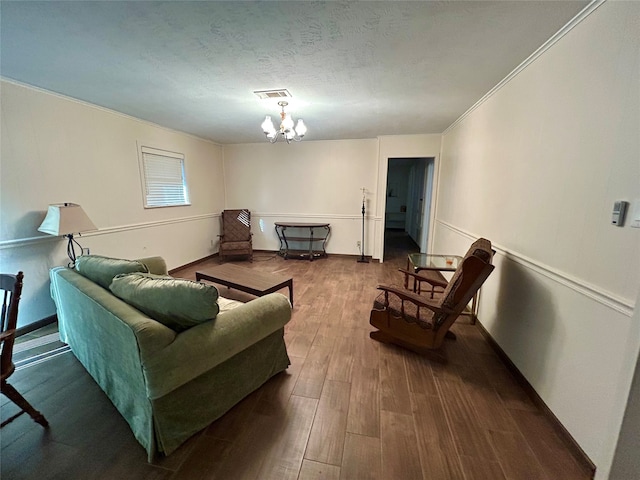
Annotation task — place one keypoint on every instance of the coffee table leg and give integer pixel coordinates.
(291, 292)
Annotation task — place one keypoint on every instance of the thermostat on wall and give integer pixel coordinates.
(619, 209)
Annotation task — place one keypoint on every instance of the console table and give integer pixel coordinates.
(302, 240)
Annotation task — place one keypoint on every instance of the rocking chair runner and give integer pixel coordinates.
(420, 323)
(236, 234)
(11, 287)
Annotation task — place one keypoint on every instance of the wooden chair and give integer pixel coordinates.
(236, 234)
(433, 278)
(419, 323)
(11, 286)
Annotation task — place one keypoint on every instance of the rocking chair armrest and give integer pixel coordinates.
(7, 334)
(420, 278)
(415, 298)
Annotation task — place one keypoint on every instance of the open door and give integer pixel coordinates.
(408, 204)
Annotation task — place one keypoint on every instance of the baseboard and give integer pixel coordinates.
(274, 252)
(36, 325)
(562, 432)
(191, 264)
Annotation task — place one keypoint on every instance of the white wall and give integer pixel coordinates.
(59, 150)
(536, 168)
(319, 181)
(626, 463)
(308, 182)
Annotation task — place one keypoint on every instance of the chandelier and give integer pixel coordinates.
(286, 130)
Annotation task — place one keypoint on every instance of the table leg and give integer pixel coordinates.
(474, 305)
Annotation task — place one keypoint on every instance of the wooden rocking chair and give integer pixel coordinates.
(11, 287)
(420, 323)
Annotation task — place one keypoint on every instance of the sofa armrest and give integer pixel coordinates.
(155, 265)
(203, 347)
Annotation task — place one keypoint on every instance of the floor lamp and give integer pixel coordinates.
(362, 258)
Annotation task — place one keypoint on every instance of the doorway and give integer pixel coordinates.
(407, 205)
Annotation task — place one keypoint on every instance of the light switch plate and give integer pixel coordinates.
(635, 219)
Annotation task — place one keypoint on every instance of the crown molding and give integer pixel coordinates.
(583, 14)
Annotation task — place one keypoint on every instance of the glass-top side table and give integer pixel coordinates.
(438, 263)
(427, 261)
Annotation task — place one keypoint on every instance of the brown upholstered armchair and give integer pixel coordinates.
(236, 234)
(421, 322)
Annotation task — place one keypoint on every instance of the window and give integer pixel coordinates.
(163, 179)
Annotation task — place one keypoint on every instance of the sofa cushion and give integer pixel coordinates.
(176, 302)
(101, 270)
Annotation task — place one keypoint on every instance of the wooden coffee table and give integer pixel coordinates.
(246, 279)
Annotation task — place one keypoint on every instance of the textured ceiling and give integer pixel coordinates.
(355, 69)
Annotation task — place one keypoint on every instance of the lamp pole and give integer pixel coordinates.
(362, 258)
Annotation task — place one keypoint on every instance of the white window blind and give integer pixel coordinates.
(163, 178)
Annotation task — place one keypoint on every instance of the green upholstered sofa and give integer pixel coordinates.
(169, 385)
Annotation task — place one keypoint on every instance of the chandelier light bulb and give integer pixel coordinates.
(301, 128)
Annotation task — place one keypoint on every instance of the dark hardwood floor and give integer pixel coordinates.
(347, 408)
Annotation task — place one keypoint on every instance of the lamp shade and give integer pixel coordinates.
(65, 219)
(287, 123)
(267, 126)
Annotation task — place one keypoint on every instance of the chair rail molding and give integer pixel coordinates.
(22, 242)
(320, 216)
(619, 304)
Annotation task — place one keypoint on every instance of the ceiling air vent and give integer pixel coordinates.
(266, 94)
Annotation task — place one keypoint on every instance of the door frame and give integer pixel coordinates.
(422, 199)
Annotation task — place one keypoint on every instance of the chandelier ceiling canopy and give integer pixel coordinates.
(286, 129)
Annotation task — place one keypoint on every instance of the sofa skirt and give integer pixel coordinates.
(193, 406)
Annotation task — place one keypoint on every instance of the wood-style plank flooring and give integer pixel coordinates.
(347, 408)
